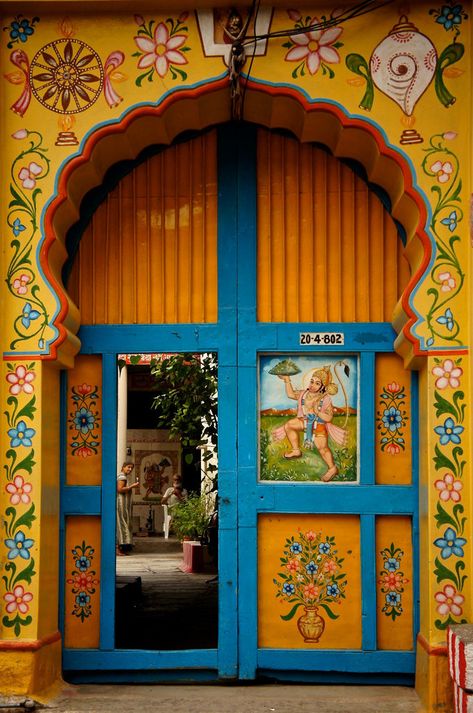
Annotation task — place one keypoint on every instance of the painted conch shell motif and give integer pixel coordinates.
(403, 65)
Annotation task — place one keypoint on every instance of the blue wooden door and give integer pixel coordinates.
(288, 517)
(253, 509)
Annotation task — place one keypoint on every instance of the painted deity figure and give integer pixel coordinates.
(313, 419)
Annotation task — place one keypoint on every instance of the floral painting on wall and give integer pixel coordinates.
(308, 418)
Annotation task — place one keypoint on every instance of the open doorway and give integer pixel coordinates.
(166, 593)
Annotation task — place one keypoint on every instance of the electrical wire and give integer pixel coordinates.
(243, 40)
(357, 11)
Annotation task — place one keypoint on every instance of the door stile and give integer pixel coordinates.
(240, 148)
(368, 581)
(108, 495)
(367, 361)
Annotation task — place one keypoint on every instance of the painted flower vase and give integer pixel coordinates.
(311, 625)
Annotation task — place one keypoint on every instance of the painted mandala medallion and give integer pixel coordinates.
(66, 76)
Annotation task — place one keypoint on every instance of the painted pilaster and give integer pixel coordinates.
(30, 650)
(445, 518)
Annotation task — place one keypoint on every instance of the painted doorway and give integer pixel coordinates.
(289, 273)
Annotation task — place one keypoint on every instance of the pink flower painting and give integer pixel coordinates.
(449, 601)
(20, 380)
(443, 170)
(449, 488)
(448, 374)
(28, 175)
(19, 491)
(313, 49)
(161, 49)
(17, 600)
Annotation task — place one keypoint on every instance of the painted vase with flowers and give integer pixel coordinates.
(311, 577)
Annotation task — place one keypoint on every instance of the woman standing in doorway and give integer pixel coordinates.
(124, 503)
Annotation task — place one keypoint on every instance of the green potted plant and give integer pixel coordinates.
(190, 518)
(190, 521)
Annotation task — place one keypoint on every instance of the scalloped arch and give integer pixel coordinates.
(271, 106)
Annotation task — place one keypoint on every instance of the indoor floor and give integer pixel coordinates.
(158, 606)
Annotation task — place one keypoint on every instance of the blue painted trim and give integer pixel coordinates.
(284, 337)
(335, 660)
(109, 487)
(248, 609)
(247, 393)
(366, 418)
(345, 678)
(227, 529)
(344, 498)
(81, 500)
(138, 660)
(368, 582)
(226, 332)
(135, 338)
(62, 478)
(184, 676)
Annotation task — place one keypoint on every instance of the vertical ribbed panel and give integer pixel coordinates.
(328, 251)
(149, 254)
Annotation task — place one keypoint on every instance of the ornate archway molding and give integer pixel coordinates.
(273, 106)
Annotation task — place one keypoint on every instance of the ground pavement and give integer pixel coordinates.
(271, 698)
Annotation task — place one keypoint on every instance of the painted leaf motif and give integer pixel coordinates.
(453, 72)
(50, 92)
(329, 611)
(68, 52)
(89, 78)
(14, 77)
(118, 76)
(66, 99)
(82, 93)
(49, 59)
(86, 59)
(355, 82)
(43, 77)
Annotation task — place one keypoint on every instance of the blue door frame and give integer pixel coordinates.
(237, 339)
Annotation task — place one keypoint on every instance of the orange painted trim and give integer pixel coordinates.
(30, 645)
(431, 650)
(265, 89)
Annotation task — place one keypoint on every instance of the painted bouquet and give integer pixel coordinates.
(311, 577)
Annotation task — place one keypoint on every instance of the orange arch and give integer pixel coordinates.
(195, 109)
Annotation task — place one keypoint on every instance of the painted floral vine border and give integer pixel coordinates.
(18, 517)
(28, 168)
(442, 165)
(83, 580)
(450, 519)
